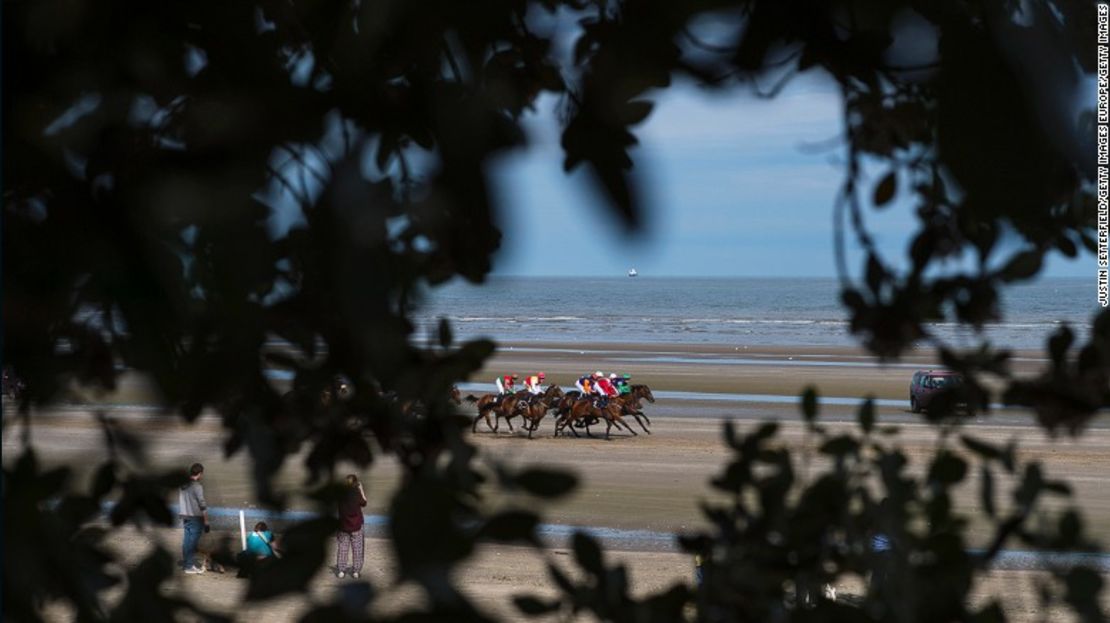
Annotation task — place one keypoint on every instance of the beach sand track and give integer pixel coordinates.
(649, 482)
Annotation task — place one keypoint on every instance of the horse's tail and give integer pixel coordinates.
(471, 398)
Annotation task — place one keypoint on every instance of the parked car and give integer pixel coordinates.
(928, 384)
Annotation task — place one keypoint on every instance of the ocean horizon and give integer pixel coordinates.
(767, 311)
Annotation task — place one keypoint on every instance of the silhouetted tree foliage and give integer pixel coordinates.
(149, 146)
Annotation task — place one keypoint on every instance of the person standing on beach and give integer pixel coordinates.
(194, 517)
(349, 537)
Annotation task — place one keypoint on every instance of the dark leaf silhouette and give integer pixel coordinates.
(534, 606)
(304, 547)
(512, 526)
(151, 151)
(884, 190)
(587, 553)
(545, 482)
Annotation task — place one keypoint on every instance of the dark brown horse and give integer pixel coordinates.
(566, 402)
(632, 399)
(502, 407)
(563, 409)
(630, 405)
(642, 392)
(586, 410)
(534, 409)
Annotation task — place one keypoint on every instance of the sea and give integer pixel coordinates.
(719, 311)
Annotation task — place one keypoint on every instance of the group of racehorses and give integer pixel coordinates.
(573, 410)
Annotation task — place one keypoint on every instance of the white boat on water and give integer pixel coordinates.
(632, 272)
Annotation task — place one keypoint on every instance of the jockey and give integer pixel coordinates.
(624, 384)
(505, 384)
(534, 384)
(606, 385)
(603, 388)
(585, 384)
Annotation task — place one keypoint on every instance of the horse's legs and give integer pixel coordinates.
(640, 422)
(568, 423)
(621, 421)
(482, 413)
(560, 422)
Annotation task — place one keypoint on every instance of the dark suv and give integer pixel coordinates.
(928, 384)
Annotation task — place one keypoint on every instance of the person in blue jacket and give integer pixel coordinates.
(260, 543)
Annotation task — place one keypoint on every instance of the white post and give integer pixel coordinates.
(243, 529)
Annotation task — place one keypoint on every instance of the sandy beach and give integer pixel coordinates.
(649, 483)
(490, 579)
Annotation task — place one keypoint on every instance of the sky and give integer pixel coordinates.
(734, 186)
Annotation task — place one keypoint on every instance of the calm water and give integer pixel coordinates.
(731, 311)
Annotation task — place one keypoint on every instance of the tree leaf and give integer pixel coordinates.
(514, 525)
(947, 469)
(445, 335)
(986, 490)
(587, 553)
(636, 111)
(1021, 266)
(809, 404)
(885, 189)
(867, 415)
(546, 483)
(841, 446)
(534, 606)
(986, 450)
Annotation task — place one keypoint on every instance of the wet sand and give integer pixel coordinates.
(780, 371)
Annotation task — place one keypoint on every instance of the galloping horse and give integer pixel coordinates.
(630, 405)
(638, 392)
(586, 411)
(643, 392)
(500, 406)
(534, 410)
